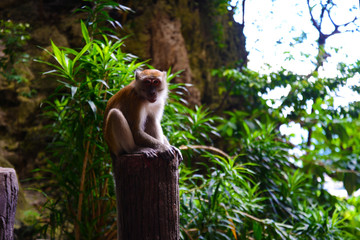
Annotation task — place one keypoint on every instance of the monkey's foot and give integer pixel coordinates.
(148, 152)
(178, 152)
(170, 153)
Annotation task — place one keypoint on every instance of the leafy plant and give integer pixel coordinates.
(187, 127)
(80, 166)
(211, 204)
(98, 14)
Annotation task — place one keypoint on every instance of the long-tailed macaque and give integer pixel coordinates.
(132, 117)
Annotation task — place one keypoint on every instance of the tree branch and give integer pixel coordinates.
(316, 25)
(214, 149)
(243, 12)
(326, 8)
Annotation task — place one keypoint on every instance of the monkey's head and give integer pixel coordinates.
(151, 84)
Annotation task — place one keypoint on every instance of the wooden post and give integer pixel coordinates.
(8, 200)
(147, 192)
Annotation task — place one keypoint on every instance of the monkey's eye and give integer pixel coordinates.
(155, 82)
(147, 82)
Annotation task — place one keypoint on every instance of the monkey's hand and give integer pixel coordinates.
(170, 152)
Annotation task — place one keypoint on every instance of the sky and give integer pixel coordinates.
(270, 29)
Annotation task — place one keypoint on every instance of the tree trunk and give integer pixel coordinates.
(147, 193)
(8, 199)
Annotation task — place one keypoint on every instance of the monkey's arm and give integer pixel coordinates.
(153, 128)
(144, 139)
(152, 136)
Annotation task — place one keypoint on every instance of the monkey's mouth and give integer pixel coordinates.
(152, 99)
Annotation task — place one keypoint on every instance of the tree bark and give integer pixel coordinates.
(147, 192)
(8, 200)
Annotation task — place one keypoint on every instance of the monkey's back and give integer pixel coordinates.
(127, 101)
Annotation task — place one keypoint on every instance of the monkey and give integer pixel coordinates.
(133, 115)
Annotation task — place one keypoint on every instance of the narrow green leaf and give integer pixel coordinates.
(57, 54)
(257, 231)
(92, 106)
(73, 91)
(85, 32)
(85, 48)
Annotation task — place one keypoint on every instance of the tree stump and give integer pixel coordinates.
(8, 200)
(147, 192)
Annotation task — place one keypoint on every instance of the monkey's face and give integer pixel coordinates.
(150, 84)
(150, 87)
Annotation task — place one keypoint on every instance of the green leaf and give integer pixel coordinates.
(92, 106)
(85, 32)
(58, 54)
(351, 182)
(83, 50)
(257, 231)
(73, 91)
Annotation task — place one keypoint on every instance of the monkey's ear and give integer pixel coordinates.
(137, 74)
(164, 75)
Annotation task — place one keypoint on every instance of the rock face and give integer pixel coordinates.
(194, 36)
(168, 49)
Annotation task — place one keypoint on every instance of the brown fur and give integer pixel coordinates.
(132, 118)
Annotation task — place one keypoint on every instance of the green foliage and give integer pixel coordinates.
(213, 204)
(98, 14)
(197, 126)
(80, 165)
(185, 126)
(310, 102)
(13, 36)
(352, 212)
(243, 197)
(294, 195)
